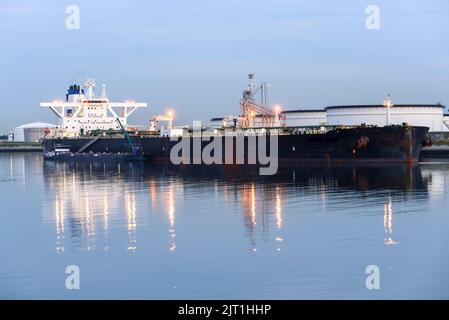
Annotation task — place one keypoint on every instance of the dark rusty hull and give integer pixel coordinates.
(393, 144)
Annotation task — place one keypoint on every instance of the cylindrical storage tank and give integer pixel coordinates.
(446, 121)
(418, 115)
(217, 123)
(31, 132)
(18, 134)
(305, 118)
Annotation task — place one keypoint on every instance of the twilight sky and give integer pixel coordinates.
(194, 55)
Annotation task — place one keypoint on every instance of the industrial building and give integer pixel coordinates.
(427, 115)
(31, 132)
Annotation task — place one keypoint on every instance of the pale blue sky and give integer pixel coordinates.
(194, 56)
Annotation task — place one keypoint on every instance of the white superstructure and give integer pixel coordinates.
(82, 111)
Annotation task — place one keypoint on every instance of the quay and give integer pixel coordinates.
(20, 147)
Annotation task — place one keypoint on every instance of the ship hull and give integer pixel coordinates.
(393, 144)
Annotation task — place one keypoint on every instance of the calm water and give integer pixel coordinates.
(137, 231)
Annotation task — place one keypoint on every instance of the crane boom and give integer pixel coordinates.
(136, 151)
(125, 133)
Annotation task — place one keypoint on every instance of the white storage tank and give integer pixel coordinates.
(31, 132)
(428, 115)
(446, 121)
(305, 118)
(217, 123)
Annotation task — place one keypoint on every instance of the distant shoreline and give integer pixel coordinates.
(6, 146)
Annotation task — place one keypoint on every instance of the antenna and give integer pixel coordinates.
(250, 86)
(90, 84)
(103, 92)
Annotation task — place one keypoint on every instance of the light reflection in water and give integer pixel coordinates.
(81, 204)
(253, 205)
(388, 223)
(59, 217)
(265, 203)
(213, 230)
(153, 192)
(130, 202)
(278, 215)
(106, 219)
(85, 198)
(88, 224)
(278, 208)
(249, 211)
(171, 217)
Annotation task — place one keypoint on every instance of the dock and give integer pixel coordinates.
(435, 151)
(20, 147)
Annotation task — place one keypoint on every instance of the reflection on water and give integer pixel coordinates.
(208, 232)
(388, 223)
(130, 203)
(83, 200)
(171, 217)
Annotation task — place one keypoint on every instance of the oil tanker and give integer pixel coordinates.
(96, 128)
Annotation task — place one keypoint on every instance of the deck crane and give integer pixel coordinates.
(250, 109)
(159, 118)
(137, 153)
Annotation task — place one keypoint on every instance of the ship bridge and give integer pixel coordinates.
(82, 111)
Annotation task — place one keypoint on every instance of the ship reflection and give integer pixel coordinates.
(83, 201)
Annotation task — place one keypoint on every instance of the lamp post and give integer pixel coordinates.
(170, 119)
(388, 104)
(277, 111)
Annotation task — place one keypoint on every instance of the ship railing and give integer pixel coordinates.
(292, 130)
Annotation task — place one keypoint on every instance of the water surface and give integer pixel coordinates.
(146, 232)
